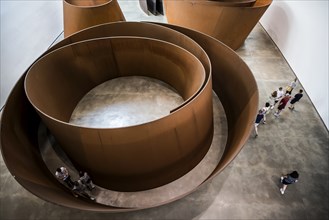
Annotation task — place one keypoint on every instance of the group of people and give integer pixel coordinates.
(78, 187)
(281, 97)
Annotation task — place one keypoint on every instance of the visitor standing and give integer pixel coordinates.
(282, 105)
(259, 118)
(296, 98)
(279, 95)
(86, 180)
(63, 175)
(291, 86)
(272, 98)
(80, 189)
(265, 110)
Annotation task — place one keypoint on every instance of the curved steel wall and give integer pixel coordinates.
(131, 158)
(228, 21)
(230, 77)
(20, 121)
(79, 15)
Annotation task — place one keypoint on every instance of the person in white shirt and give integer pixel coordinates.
(279, 95)
(272, 98)
(265, 110)
(63, 175)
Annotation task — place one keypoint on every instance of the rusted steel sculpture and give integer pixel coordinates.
(79, 14)
(228, 75)
(229, 21)
(130, 158)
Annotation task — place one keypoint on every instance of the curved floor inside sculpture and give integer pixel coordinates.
(125, 101)
(134, 95)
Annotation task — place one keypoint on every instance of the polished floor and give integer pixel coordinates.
(249, 187)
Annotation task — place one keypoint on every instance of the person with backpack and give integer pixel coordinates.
(288, 179)
(279, 95)
(291, 86)
(265, 110)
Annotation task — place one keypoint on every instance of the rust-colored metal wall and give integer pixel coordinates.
(228, 21)
(229, 80)
(131, 158)
(81, 14)
(229, 74)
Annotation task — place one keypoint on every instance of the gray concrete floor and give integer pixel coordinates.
(249, 187)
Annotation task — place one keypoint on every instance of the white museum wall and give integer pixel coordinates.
(300, 30)
(27, 29)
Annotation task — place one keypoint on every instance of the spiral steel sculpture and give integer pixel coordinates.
(229, 21)
(190, 61)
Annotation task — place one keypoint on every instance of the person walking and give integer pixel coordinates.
(291, 86)
(63, 175)
(296, 98)
(282, 105)
(80, 189)
(265, 110)
(288, 179)
(86, 180)
(279, 95)
(272, 99)
(259, 118)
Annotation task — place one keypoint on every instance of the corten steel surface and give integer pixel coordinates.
(230, 76)
(234, 3)
(130, 158)
(81, 14)
(144, 30)
(228, 21)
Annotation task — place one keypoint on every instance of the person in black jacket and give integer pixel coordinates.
(288, 179)
(296, 98)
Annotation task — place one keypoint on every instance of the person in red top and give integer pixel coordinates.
(282, 104)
